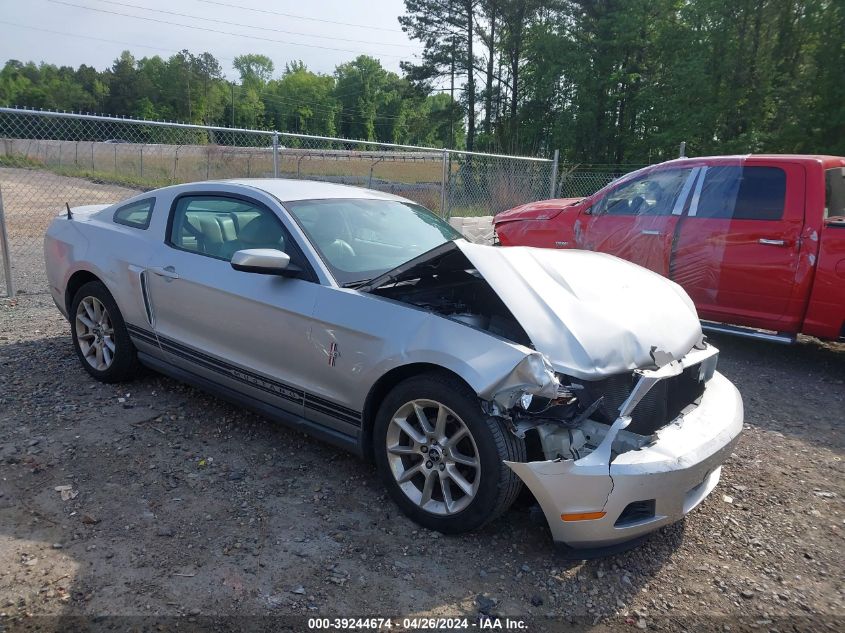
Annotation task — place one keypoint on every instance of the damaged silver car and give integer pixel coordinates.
(463, 371)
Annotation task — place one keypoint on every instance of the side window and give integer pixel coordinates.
(216, 226)
(761, 195)
(742, 193)
(834, 192)
(652, 194)
(137, 215)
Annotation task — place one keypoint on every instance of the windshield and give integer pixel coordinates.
(360, 239)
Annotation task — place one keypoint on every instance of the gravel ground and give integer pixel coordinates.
(178, 504)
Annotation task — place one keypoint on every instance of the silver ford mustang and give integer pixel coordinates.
(464, 371)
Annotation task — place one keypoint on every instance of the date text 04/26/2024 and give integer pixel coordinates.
(417, 624)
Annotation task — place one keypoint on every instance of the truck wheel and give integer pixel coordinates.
(99, 335)
(441, 458)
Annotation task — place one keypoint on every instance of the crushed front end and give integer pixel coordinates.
(622, 456)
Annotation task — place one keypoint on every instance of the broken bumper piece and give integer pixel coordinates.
(591, 503)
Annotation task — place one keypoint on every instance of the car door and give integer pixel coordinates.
(636, 220)
(737, 250)
(239, 329)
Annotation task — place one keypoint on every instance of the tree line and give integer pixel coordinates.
(360, 100)
(625, 81)
(605, 81)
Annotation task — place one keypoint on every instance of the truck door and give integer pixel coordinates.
(636, 220)
(737, 249)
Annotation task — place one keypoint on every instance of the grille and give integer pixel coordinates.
(662, 404)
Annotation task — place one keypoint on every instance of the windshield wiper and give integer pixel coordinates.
(395, 274)
(356, 284)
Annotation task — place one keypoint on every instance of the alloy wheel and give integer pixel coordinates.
(94, 333)
(433, 457)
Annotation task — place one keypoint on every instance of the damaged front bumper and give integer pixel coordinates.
(601, 500)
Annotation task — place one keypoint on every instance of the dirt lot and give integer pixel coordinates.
(183, 505)
(31, 199)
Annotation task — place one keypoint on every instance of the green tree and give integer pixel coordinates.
(301, 101)
(447, 28)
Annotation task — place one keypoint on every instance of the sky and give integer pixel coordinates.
(321, 33)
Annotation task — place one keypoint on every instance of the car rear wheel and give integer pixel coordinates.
(99, 335)
(441, 458)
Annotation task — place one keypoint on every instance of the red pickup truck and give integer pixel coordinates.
(757, 241)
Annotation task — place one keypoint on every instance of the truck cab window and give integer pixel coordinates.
(732, 192)
(834, 192)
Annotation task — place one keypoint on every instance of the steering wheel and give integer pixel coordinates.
(340, 251)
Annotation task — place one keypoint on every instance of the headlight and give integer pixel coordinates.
(525, 400)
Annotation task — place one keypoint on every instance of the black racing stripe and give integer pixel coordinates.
(246, 378)
(187, 352)
(331, 405)
(249, 378)
(134, 329)
(352, 419)
(142, 335)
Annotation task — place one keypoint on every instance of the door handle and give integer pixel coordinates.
(651, 232)
(168, 272)
(768, 242)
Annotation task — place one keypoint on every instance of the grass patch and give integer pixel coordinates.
(21, 162)
(109, 178)
(95, 176)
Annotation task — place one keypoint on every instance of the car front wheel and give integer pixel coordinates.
(441, 458)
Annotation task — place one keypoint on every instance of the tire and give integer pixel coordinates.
(95, 321)
(405, 466)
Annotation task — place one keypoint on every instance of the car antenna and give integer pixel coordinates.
(69, 213)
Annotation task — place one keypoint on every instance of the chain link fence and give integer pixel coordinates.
(50, 159)
(578, 181)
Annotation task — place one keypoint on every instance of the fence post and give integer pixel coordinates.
(142, 160)
(275, 154)
(554, 174)
(4, 246)
(682, 150)
(444, 183)
(372, 167)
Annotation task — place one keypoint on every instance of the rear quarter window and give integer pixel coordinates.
(136, 214)
(834, 192)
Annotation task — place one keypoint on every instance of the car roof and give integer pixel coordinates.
(290, 190)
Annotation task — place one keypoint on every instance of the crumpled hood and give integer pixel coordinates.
(591, 314)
